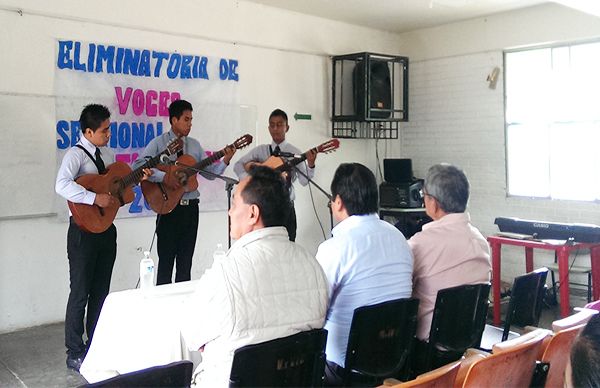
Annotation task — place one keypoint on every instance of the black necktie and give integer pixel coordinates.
(276, 151)
(180, 152)
(99, 162)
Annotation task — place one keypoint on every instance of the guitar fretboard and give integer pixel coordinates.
(205, 162)
(136, 175)
(295, 161)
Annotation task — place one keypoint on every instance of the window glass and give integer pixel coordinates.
(553, 122)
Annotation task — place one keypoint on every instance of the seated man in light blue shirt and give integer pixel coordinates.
(367, 261)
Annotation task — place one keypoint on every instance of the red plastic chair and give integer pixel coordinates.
(508, 366)
(441, 377)
(556, 353)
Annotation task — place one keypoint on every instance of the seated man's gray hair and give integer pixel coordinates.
(449, 186)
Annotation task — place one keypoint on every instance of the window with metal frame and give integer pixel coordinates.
(552, 121)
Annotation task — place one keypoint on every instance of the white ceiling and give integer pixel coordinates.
(402, 15)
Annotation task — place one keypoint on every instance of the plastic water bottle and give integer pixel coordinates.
(219, 253)
(146, 271)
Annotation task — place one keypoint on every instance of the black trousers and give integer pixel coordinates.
(176, 233)
(292, 224)
(334, 374)
(91, 260)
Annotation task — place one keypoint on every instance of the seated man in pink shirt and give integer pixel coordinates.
(449, 251)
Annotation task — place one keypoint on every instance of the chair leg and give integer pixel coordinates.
(589, 287)
(553, 287)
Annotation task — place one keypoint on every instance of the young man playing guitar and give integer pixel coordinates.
(177, 230)
(91, 255)
(278, 127)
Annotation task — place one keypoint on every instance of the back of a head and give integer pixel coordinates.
(92, 116)
(449, 186)
(585, 355)
(357, 187)
(177, 108)
(266, 189)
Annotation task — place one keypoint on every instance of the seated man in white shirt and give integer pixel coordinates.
(367, 261)
(266, 287)
(449, 251)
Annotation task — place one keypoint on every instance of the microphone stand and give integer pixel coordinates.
(298, 171)
(229, 182)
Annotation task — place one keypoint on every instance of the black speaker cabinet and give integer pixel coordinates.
(411, 223)
(369, 95)
(374, 93)
(407, 194)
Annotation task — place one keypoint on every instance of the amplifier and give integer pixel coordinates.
(401, 194)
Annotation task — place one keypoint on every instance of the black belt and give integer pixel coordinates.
(186, 202)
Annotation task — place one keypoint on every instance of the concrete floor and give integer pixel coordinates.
(35, 357)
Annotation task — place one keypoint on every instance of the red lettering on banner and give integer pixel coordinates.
(126, 158)
(150, 102)
(209, 154)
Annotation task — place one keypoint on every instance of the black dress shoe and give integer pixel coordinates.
(74, 363)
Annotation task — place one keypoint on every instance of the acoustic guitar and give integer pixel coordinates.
(163, 197)
(279, 163)
(117, 181)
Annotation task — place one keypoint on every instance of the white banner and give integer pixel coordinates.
(137, 85)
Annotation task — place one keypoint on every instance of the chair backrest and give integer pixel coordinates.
(526, 300)
(595, 305)
(557, 354)
(381, 338)
(176, 374)
(296, 360)
(545, 334)
(442, 377)
(510, 368)
(457, 324)
(580, 317)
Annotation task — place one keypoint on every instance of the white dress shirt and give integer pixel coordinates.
(367, 261)
(262, 152)
(76, 163)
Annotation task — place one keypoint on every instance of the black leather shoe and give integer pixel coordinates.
(74, 363)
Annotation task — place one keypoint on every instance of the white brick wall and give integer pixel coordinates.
(456, 118)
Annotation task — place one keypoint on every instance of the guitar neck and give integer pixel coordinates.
(205, 162)
(296, 161)
(326, 147)
(136, 175)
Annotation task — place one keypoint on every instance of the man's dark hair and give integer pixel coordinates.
(177, 108)
(267, 190)
(356, 186)
(278, 113)
(92, 117)
(585, 355)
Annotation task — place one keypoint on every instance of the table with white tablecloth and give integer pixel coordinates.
(138, 329)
